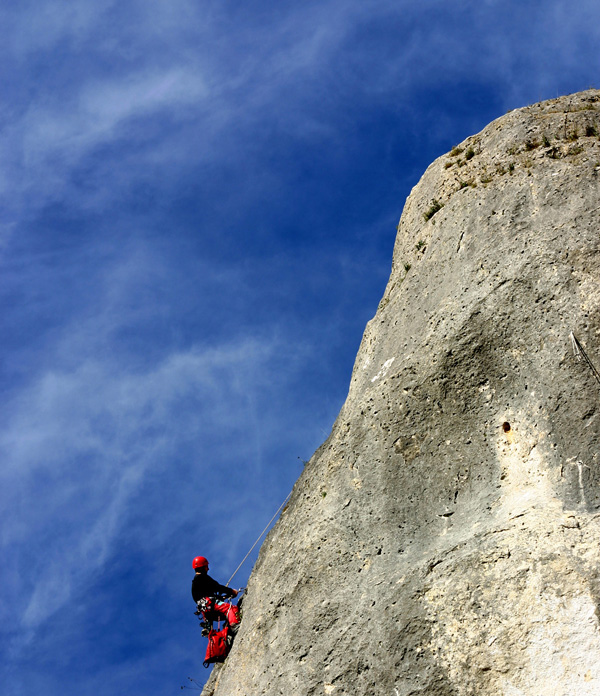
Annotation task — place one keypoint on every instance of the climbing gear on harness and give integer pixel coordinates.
(205, 604)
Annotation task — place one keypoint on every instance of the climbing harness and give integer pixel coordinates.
(259, 538)
(579, 352)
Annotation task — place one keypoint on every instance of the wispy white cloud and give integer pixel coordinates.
(96, 113)
(90, 436)
(80, 440)
(52, 139)
(31, 27)
(205, 87)
(278, 71)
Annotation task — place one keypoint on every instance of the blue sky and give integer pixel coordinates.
(198, 204)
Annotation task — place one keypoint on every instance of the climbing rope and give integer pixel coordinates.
(579, 353)
(259, 538)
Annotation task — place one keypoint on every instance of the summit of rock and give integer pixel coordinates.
(445, 539)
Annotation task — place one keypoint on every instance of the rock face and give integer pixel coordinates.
(445, 539)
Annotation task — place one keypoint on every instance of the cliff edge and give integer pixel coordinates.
(445, 539)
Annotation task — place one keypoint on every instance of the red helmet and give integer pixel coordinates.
(200, 562)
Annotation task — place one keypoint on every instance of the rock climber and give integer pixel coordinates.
(206, 593)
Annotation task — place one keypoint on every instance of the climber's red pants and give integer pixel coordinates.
(229, 612)
(223, 610)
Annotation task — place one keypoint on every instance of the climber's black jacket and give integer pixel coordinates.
(204, 586)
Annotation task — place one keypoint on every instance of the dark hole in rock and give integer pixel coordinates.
(506, 426)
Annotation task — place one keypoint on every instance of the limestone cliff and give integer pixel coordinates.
(445, 539)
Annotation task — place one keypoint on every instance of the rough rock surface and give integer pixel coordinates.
(445, 539)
